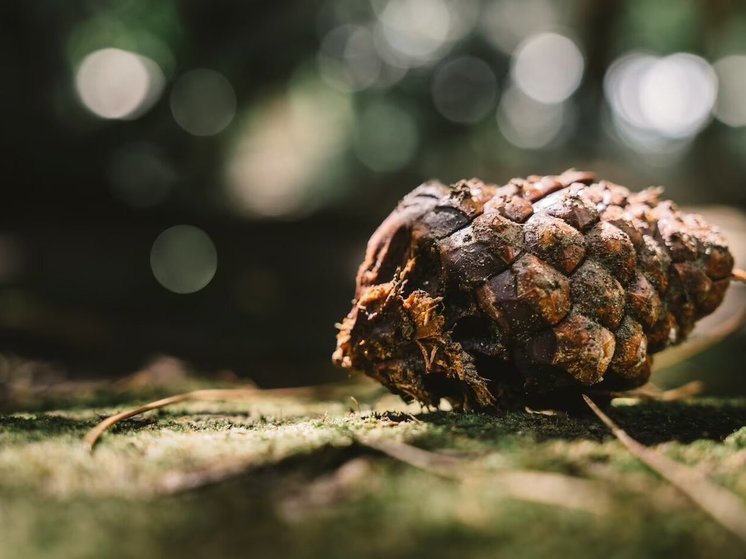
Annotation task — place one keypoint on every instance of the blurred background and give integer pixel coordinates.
(199, 179)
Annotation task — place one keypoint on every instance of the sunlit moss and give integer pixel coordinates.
(311, 489)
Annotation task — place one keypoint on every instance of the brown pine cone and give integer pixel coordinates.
(494, 297)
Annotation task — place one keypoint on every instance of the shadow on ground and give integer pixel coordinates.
(649, 422)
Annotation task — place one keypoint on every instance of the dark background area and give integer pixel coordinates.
(285, 131)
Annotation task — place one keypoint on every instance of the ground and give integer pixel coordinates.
(304, 476)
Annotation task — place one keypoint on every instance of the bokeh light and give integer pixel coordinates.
(731, 100)
(140, 175)
(505, 23)
(463, 18)
(622, 87)
(464, 89)
(414, 30)
(348, 59)
(296, 130)
(677, 95)
(660, 98)
(412, 33)
(118, 84)
(284, 146)
(386, 137)
(658, 150)
(528, 124)
(203, 102)
(183, 259)
(547, 67)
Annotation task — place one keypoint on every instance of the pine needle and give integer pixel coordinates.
(738, 275)
(545, 488)
(221, 394)
(700, 341)
(651, 393)
(683, 392)
(724, 507)
(93, 436)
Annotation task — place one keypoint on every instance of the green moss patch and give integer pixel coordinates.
(289, 477)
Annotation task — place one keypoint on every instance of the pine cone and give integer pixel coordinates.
(497, 297)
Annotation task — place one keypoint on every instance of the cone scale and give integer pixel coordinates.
(495, 297)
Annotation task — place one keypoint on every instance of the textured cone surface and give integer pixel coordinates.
(494, 297)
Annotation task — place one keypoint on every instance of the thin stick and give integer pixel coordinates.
(683, 392)
(700, 341)
(322, 390)
(724, 507)
(651, 393)
(546, 488)
(93, 436)
(738, 275)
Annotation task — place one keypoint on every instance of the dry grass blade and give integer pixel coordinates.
(333, 390)
(438, 464)
(93, 436)
(538, 487)
(738, 275)
(683, 392)
(699, 342)
(180, 482)
(652, 393)
(723, 506)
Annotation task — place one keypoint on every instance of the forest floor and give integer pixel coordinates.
(312, 475)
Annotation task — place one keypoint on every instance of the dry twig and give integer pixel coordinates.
(700, 341)
(738, 275)
(652, 393)
(538, 487)
(93, 436)
(724, 507)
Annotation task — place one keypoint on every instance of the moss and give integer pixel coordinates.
(311, 490)
(737, 438)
